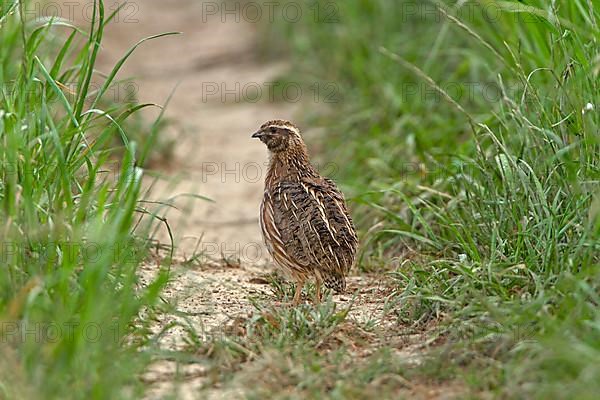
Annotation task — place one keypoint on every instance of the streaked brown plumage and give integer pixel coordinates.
(303, 216)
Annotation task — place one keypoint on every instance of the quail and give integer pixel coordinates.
(304, 219)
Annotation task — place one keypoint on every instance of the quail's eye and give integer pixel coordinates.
(273, 129)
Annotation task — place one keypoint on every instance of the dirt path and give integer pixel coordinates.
(213, 156)
(214, 63)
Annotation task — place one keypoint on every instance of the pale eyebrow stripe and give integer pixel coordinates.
(291, 128)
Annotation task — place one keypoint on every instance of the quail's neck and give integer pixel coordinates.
(289, 165)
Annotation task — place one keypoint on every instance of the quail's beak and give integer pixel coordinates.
(258, 134)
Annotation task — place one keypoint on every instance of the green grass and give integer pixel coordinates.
(69, 211)
(463, 143)
(473, 175)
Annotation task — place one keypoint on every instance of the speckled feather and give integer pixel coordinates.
(304, 219)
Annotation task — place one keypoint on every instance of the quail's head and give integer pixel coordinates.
(279, 135)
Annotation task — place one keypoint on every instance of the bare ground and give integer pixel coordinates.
(214, 156)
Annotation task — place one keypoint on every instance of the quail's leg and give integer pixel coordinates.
(298, 294)
(318, 284)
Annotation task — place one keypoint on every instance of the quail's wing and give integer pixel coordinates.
(313, 224)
